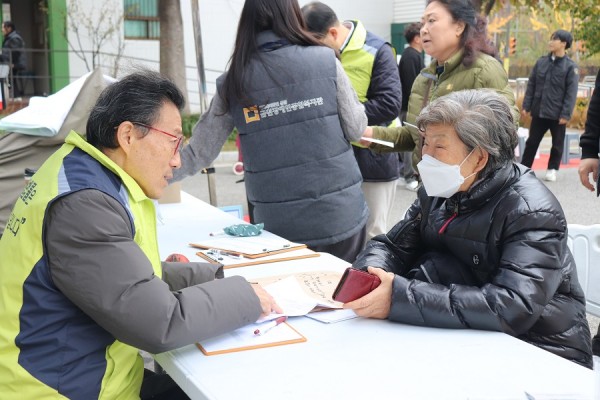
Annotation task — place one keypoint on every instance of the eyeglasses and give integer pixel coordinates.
(179, 142)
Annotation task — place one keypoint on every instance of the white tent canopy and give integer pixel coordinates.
(45, 115)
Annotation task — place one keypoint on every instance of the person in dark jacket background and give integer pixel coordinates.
(410, 65)
(12, 52)
(590, 147)
(550, 99)
(484, 246)
(370, 64)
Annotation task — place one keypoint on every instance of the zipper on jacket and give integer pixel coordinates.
(454, 215)
(412, 222)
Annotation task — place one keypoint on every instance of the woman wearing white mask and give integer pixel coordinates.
(484, 246)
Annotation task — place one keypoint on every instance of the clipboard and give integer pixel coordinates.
(249, 247)
(234, 261)
(244, 339)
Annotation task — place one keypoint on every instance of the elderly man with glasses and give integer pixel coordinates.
(80, 273)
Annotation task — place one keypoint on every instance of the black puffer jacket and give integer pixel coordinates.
(552, 88)
(509, 235)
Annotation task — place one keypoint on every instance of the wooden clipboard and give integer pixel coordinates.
(267, 252)
(243, 339)
(240, 261)
(260, 246)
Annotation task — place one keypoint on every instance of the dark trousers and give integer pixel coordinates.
(18, 82)
(160, 387)
(347, 249)
(539, 126)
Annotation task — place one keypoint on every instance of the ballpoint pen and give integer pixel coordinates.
(269, 325)
(218, 253)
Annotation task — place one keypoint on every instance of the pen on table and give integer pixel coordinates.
(217, 233)
(269, 325)
(218, 253)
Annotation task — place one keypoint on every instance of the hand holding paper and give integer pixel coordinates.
(367, 138)
(267, 302)
(378, 141)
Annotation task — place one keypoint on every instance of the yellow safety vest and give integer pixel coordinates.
(35, 312)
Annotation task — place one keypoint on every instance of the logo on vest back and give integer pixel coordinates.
(251, 114)
(256, 113)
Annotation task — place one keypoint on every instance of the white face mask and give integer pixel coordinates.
(441, 179)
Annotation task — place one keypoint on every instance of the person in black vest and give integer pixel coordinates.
(296, 113)
(550, 99)
(12, 53)
(590, 147)
(411, 64)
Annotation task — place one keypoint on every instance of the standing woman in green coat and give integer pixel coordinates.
(455, 37)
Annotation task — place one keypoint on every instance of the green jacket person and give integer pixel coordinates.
(463, 59)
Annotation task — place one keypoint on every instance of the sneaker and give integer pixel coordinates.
(550, 175)
(412, 186)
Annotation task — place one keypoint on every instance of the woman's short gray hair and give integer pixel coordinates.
(481, 118)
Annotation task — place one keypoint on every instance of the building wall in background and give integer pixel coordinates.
(405, 12)
(219, 20)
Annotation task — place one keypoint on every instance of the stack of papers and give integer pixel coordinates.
(309, 294)
(298, 295)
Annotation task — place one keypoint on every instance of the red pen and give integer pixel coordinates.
(270, 325)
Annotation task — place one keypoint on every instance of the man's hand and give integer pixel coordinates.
(376, 304)
(175, 257)
(588, 166)
(267, 302)
(563, 121)
(525, 114)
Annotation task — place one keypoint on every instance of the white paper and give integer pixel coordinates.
(410, 125)
(245, 337)
(378, 141)
(264, 243)
(332, 316)
(290, 297)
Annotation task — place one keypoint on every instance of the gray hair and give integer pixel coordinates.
(481, 118)
(137, 97)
